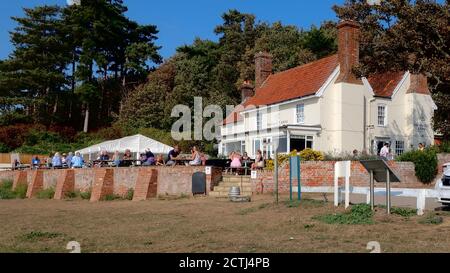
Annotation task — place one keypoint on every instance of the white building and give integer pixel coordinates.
(322, 105)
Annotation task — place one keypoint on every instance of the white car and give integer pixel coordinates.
(443, 186)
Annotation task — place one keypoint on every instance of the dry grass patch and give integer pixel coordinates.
(203, 224)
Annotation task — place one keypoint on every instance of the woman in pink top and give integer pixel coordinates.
(235, 160)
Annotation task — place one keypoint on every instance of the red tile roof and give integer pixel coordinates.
(384, 84)
(234, 116)
(294, 83)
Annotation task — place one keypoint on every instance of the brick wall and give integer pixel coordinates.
(316, 174)
(178, 180)
(168, 180)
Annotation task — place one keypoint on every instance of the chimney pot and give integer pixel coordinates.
(247, 90)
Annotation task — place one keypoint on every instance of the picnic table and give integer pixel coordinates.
(110, 163)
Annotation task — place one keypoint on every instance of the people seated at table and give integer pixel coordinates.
(196, 158)
(57, 161)
(245, 157)
(69, 160)
(127, 155)
(116, 158)
(48, 161)
(103, 156)
(235, 158)
(173, 155)
(77, 161)
(35, 162)
(15, 164)
(259, 161)
(159, 160)
(149, 158)
(142, 158)
(63, 159)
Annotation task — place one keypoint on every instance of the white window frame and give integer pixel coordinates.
(258, 121)
(300, 115)
(255, 151)
(243, 146)
(397, 147)
(385, 115)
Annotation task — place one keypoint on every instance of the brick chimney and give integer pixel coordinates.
(418, 84)
(348, 50)
(263, 68)
(247, 91)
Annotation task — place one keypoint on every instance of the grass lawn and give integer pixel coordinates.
(205, 224)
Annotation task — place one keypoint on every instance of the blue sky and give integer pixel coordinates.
(181, 21)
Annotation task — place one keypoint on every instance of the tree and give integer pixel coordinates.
(36, 68)
(401, 35)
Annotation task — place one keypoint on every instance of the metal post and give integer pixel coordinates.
(372, 192)
(276, 175)
(290, 178)
(299, 189)
(388, 192)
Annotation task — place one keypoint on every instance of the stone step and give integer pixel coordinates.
(227, 188)
(235, 184)
(235, 178)
(225, 194)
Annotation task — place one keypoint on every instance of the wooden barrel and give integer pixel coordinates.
(234, 192)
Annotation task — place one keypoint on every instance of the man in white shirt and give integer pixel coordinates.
(384, 153)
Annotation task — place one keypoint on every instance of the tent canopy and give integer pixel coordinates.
(136, 144)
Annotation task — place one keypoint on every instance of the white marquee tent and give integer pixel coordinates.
(136, 144)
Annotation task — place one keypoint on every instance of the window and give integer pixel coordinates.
(242, 147)
(258, 120)
(301, 143)
(256, 146)
(309, 142)
(300, 112)
(399, 147)
(382, 120)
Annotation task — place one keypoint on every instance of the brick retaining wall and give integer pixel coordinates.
(315, 174)
(177, 180)
(166, 181)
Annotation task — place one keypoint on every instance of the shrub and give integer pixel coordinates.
(306, 155)
(72, 194)
(112, 197)
(46, 194)
(444, 147)
(21, 191)
(6, 190)
(425, 162)
(130, 194)
(359, 215)
(405, 212)
(85, 195)
(348, 157)
(311, 155)
(431, 219)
